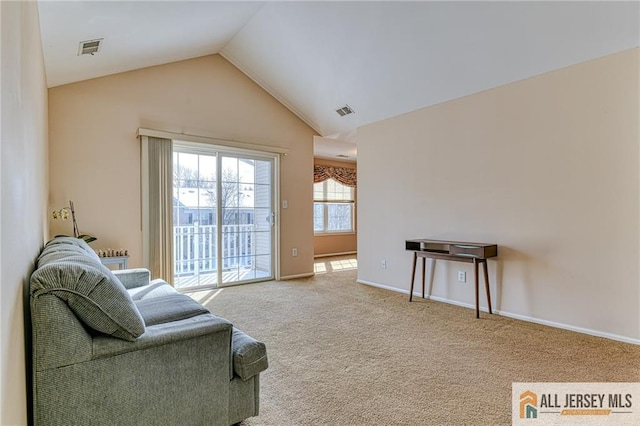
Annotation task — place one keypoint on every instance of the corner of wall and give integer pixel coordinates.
(24, 186)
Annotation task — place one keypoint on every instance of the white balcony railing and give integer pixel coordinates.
(195, 250)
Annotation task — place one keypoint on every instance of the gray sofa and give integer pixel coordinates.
(114, 348)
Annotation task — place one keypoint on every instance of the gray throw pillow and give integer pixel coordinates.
(91, 291)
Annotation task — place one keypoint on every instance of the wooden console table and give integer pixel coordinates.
(476, 253)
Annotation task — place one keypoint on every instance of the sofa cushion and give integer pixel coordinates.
(249, 355)
(89, 288)
(175, 307)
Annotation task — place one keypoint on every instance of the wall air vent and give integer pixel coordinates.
(89, 47)
(345, 110)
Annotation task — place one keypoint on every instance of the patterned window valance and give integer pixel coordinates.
(343, 175)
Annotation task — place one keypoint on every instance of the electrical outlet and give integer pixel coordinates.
(462, 277)
(294, 252)
(285, 204)
(383, 264)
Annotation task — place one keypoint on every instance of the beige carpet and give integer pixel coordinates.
(342, 353)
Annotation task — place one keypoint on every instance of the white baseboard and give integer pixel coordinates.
(596, 333)
(335, 254)
(291, 277)
(571, 328)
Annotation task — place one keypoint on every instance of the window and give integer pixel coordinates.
(333, 207)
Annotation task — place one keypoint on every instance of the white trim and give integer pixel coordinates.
(333, 233)
(596, 333)
(316, 256)
(291, 277)
(212, 141)
(571, 328)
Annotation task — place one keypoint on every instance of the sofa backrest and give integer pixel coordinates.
(62, 246)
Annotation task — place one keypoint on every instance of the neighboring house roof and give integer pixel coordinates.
(192, 198)
(195, 198)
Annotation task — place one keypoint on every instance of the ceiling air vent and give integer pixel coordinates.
(89, 47)
(345, 110)
(342, 156)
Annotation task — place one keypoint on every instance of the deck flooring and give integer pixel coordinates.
(209, 279)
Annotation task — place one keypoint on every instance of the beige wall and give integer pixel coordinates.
(335, 243)
(547, 168)
(95, 156)
(23, 185)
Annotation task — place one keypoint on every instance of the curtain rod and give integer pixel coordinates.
(214, 141)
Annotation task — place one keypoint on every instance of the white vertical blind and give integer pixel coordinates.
(157, 206)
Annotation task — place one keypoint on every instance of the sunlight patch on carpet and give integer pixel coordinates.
(325, 266)
(205, 296)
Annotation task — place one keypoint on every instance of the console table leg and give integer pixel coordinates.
(475, 274)
(413, 275)
(424, 260)
(486, 284)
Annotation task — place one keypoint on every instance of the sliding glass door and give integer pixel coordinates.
(222, 215)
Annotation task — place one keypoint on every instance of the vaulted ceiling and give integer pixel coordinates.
(380, 58)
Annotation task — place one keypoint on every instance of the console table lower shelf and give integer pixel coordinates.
(476, 253)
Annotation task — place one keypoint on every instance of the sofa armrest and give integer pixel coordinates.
(163, 334)
(249, 355)
(132, 278)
